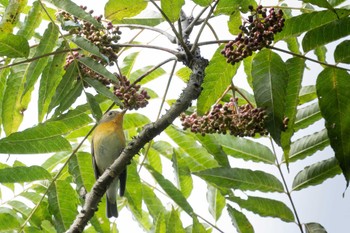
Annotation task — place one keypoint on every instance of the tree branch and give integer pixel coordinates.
(150, 131)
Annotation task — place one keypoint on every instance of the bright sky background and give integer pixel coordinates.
(323, 203)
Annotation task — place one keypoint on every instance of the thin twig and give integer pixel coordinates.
(286, 188)
(169, 36)
(159, 112)
(179, 38)
(176, 53)
(194, 46)
(38, 57)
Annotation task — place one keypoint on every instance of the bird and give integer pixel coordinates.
(108, 141)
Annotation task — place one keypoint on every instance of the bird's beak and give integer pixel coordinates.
(124, 111)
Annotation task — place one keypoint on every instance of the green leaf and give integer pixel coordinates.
(295, 67)
(155, 74)
(307, 93)
(171, 190)
(320, 52)
(154, 205)
(218, 77)
(46, 137)
(54, 160)
(270, 80)
(134, 190)
(216, 202)
(50, 78)
(32, 21)
(70, 98)
(160, 223)
(102, 89)
(46, 45)
(80, 167)
(13, 45)
(95, 107)
(234, 23)
(307, 116)
(316, 174)
(213, 146)
(135, 120)
(308, 145)
(243, 179)
(12, 108)
(128, 63)
(305, 22)
(326, 34)
(184, 74)
(174, 224)
(182, 175)
(120, 9)
(265, 207)
(342, 52)
(172, 8)
(85, 44)
(62, 204)
(73, 9)
(64, 87)
(23, 174)
(199, 157)
(10, 16)
(197, 227)
(313, 227)
(245, 149)
(239, 220)
(97, 67)
(320, 3)
(334, 98)
(202, 2)
(9, 221)
(228, 7)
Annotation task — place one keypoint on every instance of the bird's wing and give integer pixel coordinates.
(94, 165)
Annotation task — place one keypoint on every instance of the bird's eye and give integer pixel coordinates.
(110, 113)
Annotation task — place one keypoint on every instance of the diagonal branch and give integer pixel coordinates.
(150, 131)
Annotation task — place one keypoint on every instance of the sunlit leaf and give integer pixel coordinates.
(23, 174)
(307, 116)
(120, 9)
(32, 21)
(62, 204)
(13, 45)
(218, 76)
(46, 45)
(171, 8)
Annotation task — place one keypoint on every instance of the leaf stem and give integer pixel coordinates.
(286, 188)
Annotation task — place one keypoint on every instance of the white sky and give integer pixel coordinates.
(323, 203)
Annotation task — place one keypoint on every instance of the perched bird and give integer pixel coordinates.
(108, 141)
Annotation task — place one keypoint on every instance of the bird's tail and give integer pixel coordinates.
(112, 209)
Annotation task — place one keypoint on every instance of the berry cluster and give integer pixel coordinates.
(105, 39)
(240, 121)
(257, 32)
(131, 95)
